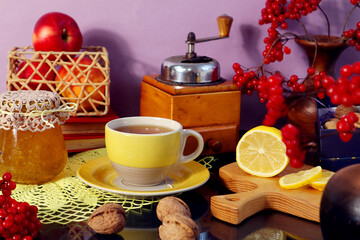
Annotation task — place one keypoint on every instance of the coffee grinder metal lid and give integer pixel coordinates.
(190, 69)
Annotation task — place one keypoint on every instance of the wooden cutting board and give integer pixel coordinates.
(253, 194)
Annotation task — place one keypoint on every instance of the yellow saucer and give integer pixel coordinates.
(100, 174)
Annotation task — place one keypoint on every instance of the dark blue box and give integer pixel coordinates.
(334, 164)
(334, 153)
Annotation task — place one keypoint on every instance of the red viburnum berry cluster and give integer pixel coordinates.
(354, 36)
(18, 220)
(346, 90)
(295, 85)
(346, 125)
(318, 79)
(291, 139)
(244, 78)
(276, 12)
(274, 49)
(270, 90)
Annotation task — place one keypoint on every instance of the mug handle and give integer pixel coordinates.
(185, 134)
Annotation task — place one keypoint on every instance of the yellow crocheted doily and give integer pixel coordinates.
(67, 199)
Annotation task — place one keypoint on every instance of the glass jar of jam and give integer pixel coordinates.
(32, 146)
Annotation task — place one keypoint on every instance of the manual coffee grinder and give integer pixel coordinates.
(190, 90)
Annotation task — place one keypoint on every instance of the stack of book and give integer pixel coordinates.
(85, 133)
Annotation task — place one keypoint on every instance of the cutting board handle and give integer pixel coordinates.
(234, 208)
(254, 194)
(237, 207)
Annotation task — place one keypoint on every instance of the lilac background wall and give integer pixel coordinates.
(139, 34)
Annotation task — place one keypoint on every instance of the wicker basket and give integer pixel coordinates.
(86, 84)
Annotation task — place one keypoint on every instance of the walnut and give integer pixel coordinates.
(331, 123)
(178, 227)
(176, 220)
(107, 219)
(172, 205)
(342, 110)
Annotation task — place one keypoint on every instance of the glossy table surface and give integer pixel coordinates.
(145, 225)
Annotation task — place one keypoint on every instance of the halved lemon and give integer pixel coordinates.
(301, 178)
(261, 152)
(321, 182)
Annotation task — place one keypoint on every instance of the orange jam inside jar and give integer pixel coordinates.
(32, 146)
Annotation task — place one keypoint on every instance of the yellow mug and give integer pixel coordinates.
(143, 150)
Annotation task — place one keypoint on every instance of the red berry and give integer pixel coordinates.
(284, 25)
(287, 50)
(346, 100)
(353, 116)
(274, 80)
(342, 126)
(346, 71)
(33, 209)
(11, 185)
(294, 78)
(320, 95)
(3, 213)
(11, 211)
(6, 192)
(18, 218)
(236, 66)
(296, 163)
(311, 71)
(347, 119)
(345, 136)
(16, 237)
(239, 71)
(328, 82)
(352, 42)
(7, 176)
(22, 207)
(335, 99)
(356, 68)
(302, 87)
(347, 34)
(317, 83)
(235, 78)
(7, 223)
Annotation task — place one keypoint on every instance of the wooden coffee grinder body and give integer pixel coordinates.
(212, 110)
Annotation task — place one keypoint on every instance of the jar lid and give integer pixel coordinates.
(28, 100)
(31, 110)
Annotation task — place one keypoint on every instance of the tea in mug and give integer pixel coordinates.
(143, 129)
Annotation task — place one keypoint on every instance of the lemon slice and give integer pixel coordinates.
(261, 152)
(321, 182)
(301, 178)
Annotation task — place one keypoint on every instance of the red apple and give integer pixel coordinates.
(26, 70)
(57, 32)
